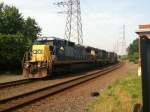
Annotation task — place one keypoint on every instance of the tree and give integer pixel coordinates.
(12, 50)
(133, 51)
(31, 28)
(1, 6)
(11, 21)
(16, 36)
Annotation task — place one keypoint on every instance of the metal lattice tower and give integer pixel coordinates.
(120, 45)
(73, 29)
(124, 40)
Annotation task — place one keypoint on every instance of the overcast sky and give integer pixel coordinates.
(102, 19)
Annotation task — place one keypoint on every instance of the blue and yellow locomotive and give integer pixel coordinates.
(49, 54)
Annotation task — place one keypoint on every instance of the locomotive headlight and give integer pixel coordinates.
(39, 65)
(34, 51)
(27, 65)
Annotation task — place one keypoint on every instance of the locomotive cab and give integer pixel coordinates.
(37, 63)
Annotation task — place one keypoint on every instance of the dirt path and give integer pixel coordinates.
(9, 77)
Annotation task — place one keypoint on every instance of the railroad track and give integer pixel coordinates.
(15, 83)
(15, 102)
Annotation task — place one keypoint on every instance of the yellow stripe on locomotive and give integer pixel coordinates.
(40, 53)
(93, 53)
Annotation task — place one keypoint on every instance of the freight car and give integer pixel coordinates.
(51, 54)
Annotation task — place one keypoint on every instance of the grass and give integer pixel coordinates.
(121, 96)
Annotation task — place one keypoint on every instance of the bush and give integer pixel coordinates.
(12, 49)
(134, 57)
(133, 51)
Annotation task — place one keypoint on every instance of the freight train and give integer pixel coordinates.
(51, 54)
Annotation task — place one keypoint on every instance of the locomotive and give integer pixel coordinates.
(51, 54)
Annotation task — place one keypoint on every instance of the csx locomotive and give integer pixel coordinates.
(51, 54)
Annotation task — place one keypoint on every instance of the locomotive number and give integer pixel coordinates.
(39, 51)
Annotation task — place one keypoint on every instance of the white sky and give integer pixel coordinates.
(102, 19)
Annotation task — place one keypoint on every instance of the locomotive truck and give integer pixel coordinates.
(51, 54)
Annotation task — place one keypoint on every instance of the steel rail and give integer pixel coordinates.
(15, 83)
(15, 102)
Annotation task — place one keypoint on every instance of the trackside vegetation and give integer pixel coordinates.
(121, 96)
(16, 36)
(133, 51)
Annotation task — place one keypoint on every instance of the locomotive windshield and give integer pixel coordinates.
(44, 40)
(39, 42)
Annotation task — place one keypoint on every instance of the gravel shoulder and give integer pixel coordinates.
(76, 99)
(28, 87)
(120, 96)
(9, 77)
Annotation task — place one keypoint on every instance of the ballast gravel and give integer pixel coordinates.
(77, 98)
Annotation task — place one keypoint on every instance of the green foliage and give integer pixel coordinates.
(11, 21)
(133, 51)
(16, 36)
(134, 57)
(31, 28)
(121, 96)
(12, 50)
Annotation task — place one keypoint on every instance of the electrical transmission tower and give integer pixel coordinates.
(120, 45)
(123, 40)
(73, 29)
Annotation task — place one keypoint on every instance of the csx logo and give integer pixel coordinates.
(38, 51)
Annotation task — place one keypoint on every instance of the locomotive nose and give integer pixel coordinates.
(38, 64)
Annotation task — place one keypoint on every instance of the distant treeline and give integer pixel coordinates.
(133, 51)
(16, 36)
